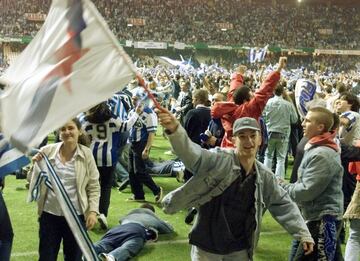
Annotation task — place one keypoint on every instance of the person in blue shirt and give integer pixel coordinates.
(141, 139)
(104, 129)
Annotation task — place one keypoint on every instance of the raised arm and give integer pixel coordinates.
(192, 155)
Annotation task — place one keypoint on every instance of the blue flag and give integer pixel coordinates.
(11, 159)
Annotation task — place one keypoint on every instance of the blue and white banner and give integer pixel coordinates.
(305, 91)
(11, 159)
(258, 54)
(72, 64)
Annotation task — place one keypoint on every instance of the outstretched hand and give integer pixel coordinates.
(167, 120)
(282, 63)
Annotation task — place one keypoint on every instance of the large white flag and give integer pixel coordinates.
(73, 63)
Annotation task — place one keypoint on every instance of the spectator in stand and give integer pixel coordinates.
(247, 22)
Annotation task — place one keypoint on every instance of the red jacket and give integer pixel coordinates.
(228, 112)
(354, 167)
(237, 80)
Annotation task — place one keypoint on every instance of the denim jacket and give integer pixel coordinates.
(318, 190)
(214, 170)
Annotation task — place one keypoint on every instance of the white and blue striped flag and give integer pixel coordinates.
(11, 159)
(258, 54)
(73, 63)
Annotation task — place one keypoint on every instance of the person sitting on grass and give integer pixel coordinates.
(127, 239)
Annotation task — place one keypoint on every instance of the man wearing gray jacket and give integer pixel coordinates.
(232, 191)
(318, 190)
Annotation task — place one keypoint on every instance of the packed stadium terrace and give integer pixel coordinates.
(231, 22)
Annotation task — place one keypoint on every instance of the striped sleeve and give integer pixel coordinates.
(151, 121)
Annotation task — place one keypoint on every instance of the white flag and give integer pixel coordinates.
(257, 55)
(73, 63)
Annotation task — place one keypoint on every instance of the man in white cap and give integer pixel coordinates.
(231, 190)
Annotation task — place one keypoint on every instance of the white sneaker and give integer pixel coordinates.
(106, 257)
(103, 221)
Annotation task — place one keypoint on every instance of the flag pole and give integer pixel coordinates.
(150, 95)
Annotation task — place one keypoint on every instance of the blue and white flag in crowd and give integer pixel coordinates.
(305, 91)
(72, 64)
(258, 54)
(11, 159)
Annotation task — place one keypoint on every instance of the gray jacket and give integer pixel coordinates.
(214, 171)
(148, 219)
(318, 190)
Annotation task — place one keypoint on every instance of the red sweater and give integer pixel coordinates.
(228, 112)
(237, 80)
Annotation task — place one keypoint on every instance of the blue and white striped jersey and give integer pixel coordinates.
(120, 104)
(147, 122)
(105, 138)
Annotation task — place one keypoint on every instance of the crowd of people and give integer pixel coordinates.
(247, 23)
(216, 107)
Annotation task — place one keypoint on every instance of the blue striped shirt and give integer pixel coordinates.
(120, 104)
(147, 122)
(105, 138)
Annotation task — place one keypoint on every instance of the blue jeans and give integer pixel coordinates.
(120, 172)
(279, 147)
(6, 232)
(352, 251)
(129, 249)
(294, 246)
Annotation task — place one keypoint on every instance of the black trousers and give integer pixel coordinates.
(53, 229)
(106, 180)
(6, 232)
(138, 175)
